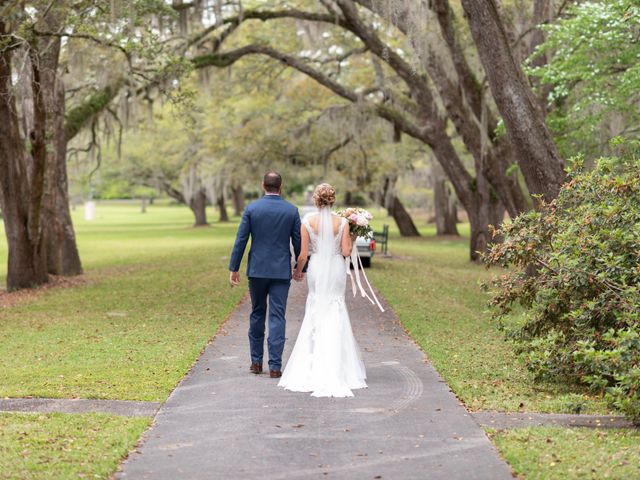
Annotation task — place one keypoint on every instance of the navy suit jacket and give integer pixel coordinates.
(272, 223)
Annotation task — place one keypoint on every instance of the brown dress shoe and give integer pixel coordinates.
(275, 373)
(256, 368)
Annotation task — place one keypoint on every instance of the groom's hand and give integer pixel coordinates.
(234, 278)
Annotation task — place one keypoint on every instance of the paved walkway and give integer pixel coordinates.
(223, 422)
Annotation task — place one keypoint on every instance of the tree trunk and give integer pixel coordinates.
(402, 218)
(63, 257)
(222, 208)
(198, 205)
(395, 208)
(444, 202)
(496, 212)
(21, 190)
(237, 197)
(479, 218)
(473, 194)
(496, 217)
(542, 12)
(468, 82)
(479, 235)
(532, 142)
(507, 187)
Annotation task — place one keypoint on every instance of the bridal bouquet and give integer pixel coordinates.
(358, 220)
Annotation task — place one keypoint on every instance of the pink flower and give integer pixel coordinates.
(353, 217)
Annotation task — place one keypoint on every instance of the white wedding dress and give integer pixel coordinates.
(326, 359)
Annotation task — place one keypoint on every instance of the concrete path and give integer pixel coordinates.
(225, 423)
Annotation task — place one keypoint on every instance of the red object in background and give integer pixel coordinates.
(372, 246)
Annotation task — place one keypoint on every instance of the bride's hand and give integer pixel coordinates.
(298, 276)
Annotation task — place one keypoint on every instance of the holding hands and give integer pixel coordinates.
(234, 277)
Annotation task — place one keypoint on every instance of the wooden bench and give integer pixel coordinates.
(382, 239)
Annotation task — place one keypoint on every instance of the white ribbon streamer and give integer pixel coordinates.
(347, 262)
(357, 262)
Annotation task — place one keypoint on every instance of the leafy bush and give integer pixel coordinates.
(576, 271)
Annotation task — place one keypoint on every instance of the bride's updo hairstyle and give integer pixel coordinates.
(324, 195)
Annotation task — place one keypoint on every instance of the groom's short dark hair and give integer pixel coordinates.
(272, 182)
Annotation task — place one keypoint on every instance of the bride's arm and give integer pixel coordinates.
(304, 252)
(347, 242)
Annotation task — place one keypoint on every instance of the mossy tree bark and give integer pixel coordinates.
(63, 257)
(532, 142)
(22, 176)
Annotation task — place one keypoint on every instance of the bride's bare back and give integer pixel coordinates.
(313, 221)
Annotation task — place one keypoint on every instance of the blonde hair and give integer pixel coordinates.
(324, 195)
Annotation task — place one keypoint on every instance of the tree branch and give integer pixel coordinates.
(382, 110)
(81, 115)
(265, 15)
(85, 36)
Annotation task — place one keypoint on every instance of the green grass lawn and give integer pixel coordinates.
(541, 453)
(60, 446)
(155, 293)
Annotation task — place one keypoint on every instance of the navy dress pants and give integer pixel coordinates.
(275, 291)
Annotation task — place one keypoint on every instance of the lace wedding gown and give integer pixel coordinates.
(326, 359)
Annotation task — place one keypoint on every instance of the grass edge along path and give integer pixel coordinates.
(541, 453)
(62, 446)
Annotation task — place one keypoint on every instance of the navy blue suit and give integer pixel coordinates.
(273, 224)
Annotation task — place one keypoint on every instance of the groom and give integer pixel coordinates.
(273, 224)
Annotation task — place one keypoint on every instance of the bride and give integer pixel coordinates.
(326, 358)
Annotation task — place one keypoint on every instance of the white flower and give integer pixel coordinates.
(362, 221)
